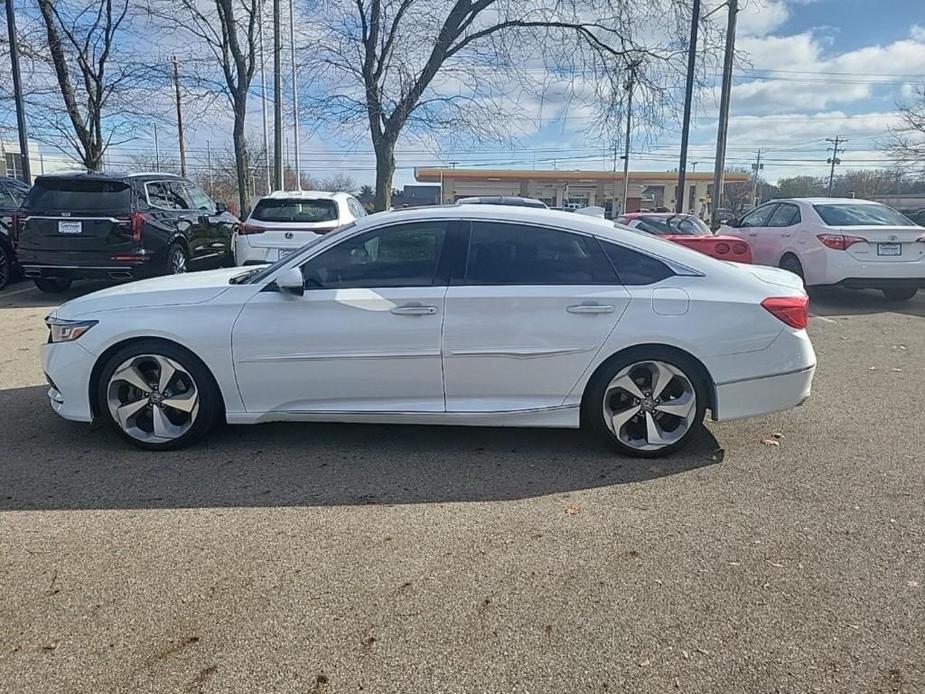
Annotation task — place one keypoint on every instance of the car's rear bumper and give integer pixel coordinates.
(67, 367)
(758, 396)
(882, 282)
(118, 273)
(247, 252)
(843, 269)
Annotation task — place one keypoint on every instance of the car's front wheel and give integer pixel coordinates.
(646, 404)
(900, 293)
(158, 395)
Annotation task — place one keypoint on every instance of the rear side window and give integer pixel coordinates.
(80, 195)
(164, 196)
(506, 254)
(295, 210)
(635, 268)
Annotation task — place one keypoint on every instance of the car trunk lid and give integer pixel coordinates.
(884, 243)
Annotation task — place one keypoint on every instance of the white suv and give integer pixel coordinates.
(284, 221)
(837, 241)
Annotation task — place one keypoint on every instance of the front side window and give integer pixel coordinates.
(635, 268)
(295, 210)
(198, 198)
(405, 255)
(505, 254)
(848, 215)
(758, 218)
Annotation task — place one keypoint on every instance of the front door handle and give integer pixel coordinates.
(414, 310)
(591, 308)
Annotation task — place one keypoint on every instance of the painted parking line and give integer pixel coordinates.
(827, 320)
(18, 291)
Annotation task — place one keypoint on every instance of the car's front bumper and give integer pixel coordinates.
(68, 367)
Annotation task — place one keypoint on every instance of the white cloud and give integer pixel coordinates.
(917, 32)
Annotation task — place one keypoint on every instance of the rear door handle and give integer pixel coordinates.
(414, 310)
(591, 308)
(786, 236)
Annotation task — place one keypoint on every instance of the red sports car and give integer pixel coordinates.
(689, 231)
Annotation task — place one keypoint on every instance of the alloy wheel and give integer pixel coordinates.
(177, 262)
(153, 398)
(650, 405)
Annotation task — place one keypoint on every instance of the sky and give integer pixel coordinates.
(810, 70)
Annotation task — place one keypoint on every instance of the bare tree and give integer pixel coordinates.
(464, 68)
(907, 140)
(226, 33)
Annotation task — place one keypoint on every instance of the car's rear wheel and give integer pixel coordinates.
(158, 395)
(177, 261)
(6, 266)
(900, 293)
(646, 404)
(791, 263)
(53, 285)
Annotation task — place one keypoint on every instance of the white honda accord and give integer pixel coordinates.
(472, 314)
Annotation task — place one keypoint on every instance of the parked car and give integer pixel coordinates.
(838, 242)
(688, 230)
(12, 192)
(284, 221)
(469, 314)
(916, 215)
(502, 200)
(119, 227)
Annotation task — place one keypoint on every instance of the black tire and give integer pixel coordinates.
(792, 264)
(53, 285)
(900, 293)
(593, 401)
(211, 406)
(177, 260)
(6, 266)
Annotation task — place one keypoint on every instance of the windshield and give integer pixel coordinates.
(258, 274)
(682, 225)
(295, 210)
(848, 215)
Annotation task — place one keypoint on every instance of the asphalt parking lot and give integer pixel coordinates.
(334, 558)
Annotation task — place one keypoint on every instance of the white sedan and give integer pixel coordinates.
(471, 314)
(843, 242)
(284, 221)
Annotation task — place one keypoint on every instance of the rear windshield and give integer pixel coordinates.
(79, 195)
(677, 225)
(275, 210)
(861, 215)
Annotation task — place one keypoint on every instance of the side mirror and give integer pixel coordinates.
(220, 208)
(291, 282)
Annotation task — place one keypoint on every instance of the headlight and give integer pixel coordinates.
(61, 330)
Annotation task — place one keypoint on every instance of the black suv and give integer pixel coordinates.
(12, 192)
(110, 227)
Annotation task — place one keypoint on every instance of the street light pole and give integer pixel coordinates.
(277, 102)
(17, 92)
(295, 97)
(629, 124)
(263, 103)
(720, 164)
(688, 99)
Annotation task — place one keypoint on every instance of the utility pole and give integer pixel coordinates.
(719, 169)
(295, 97)
(17, 93)
(756, 167)
(176, 85)
(263, 103)
(209, 163)
(157, 151)
(688, 99)
(833, 160)
(630, 83)
(277, 102)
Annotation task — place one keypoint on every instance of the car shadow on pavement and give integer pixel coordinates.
(834, 301)
(52, 464)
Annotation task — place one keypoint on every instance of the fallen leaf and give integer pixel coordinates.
(770, 442)
(777, 435)
(686, 654)
(718, 455)
(895, 369)
(572, 510)
(871, 368)
(644, 663)
(735, 563)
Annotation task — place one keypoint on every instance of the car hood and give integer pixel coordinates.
(173, 290)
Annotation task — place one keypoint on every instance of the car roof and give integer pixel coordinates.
(827, 201)
(502, 200)
(304, 195)
(666, 215)
(104, 176)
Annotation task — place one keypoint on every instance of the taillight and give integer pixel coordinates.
(722, 248)
(136, 222)
(839, 242)
(792, 310)
(249, 229)
(739, 248)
